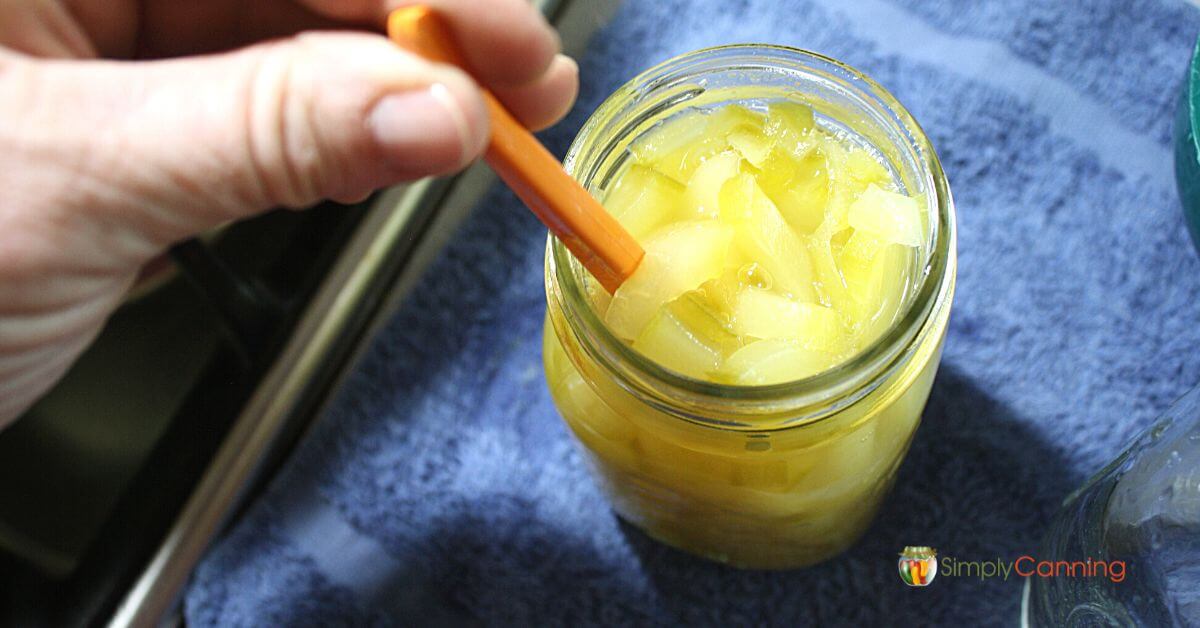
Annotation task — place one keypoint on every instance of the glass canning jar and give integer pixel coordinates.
(1124, 549)
(776, 476)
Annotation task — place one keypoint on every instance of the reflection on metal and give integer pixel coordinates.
(316, 338)
(403, 231)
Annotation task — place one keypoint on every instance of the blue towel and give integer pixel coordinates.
(442, 488)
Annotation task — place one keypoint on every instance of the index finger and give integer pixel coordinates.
(505, 42)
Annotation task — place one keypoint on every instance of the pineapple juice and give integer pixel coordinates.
(776, 250)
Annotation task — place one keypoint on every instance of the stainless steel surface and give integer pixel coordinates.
(272, 405)
(320, 342)
(64, 465)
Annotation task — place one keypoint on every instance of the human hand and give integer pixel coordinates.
(104, 163)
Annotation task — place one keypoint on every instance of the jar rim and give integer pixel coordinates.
(751, 406)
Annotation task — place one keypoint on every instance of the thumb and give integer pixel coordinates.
(168, 148)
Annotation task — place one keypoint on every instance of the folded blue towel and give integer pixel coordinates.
(442, 488)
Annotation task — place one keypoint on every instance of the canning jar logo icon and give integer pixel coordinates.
(918, 565)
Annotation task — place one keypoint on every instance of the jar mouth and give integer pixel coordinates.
(680, 82)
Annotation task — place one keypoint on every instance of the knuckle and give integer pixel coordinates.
(281, 132)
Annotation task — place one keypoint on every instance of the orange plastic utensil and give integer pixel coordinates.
(595, 238)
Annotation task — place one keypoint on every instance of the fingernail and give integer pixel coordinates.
(421, 131)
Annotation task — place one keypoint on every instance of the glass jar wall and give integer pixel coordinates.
(774, 476)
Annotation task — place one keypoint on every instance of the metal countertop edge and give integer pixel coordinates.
(402, 233)
(319, 334)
